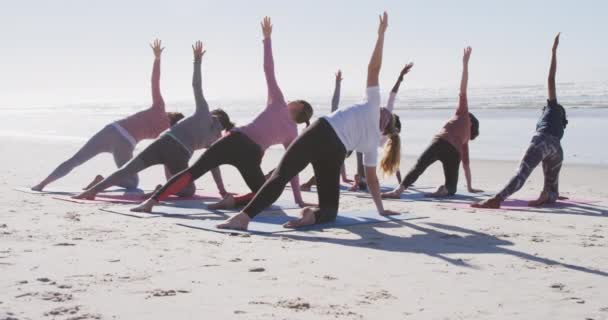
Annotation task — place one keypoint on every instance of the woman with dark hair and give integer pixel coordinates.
(545, 147)
(324, 145)
(119, 138)
(174, 148)
(450, 146)
(244, 147)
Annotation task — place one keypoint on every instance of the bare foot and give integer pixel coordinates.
(307, 218)
(150, 194)
(98, 179)
(543, 198)
(86, 195)
(492, 203)
(146, 206)
(395, 194)
(38, 187)
(237, 222)
(441, 192)
(227, 203)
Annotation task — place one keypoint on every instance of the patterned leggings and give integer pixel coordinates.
(543, 148)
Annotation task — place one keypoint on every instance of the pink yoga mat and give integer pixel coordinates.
(522, 205)
(131, 199)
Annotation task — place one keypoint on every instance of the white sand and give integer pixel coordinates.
(60, 260)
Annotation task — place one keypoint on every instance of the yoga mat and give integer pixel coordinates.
(522, 205)
(409, 196)
(132, 198)
(189, 208)
(273, 223)
(69, 191)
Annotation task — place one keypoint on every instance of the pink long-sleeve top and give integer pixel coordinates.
(149, 123)
(273, 126)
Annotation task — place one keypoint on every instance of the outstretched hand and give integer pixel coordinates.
(339, 75)
(198, 50)
(406, 69)
(383, 23)
(556, 41)
(157, 48)
(466, 55)
(266, 27)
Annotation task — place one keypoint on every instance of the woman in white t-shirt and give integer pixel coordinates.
(324, 145)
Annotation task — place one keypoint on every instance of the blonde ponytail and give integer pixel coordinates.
(391, 155)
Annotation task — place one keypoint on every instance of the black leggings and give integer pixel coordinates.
(439, 150)
(236, 149)
(320, 146)
(165, 150)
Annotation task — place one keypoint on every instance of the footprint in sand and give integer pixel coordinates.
(296, 304)
(56, 296)
(165, 293)
(61, 311)
(371, 297)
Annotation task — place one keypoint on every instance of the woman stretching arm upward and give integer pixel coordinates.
(119, 138)
(324, 145)
(244, 147)
(450, 146)
(360, 181)
(545, 147)
(174, 148)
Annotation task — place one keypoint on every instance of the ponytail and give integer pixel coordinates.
(391, 155)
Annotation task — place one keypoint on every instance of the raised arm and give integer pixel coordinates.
(463, 106)
(404, 71)
(390, 105)
(274, 92)
(335, 100)
(375, 63)
(553, 69)
(197, 85)
(157, 98)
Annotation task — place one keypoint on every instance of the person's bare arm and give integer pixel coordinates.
(374, 189)
(553, 70)
(217, 177)
(404, 71)
(157, 98)
(335, 99)
(466, 166)
(463, 108)
(375, 63)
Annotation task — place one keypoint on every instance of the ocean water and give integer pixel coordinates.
(507, 119)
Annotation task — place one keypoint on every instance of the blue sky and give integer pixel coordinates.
(69, 52)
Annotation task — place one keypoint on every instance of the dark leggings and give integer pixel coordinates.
(165, 150)
(439, 150)
(544, 148)
(320, 146)
(235, 149)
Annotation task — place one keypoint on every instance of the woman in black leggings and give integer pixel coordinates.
(450, 146)
(325, 144)
(244, 147)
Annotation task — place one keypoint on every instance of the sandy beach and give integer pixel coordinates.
(62, 260)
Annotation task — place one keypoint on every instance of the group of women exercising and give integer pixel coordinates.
(324, 144)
